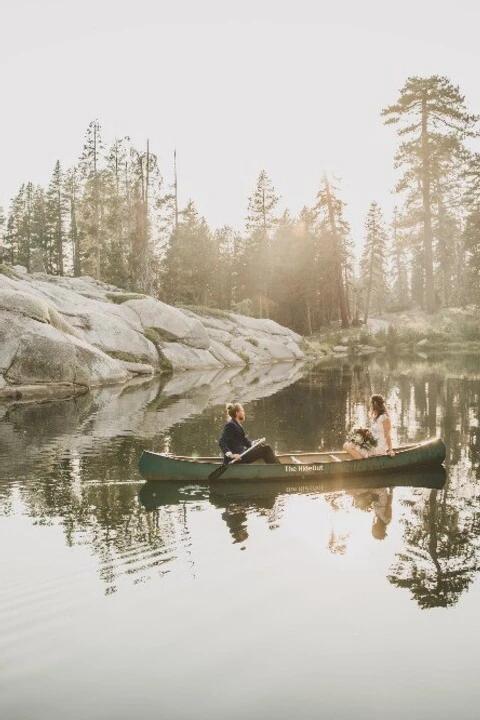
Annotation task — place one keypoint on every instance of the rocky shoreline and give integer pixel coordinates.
(60, 337)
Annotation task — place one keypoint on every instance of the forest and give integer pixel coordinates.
(111, 217)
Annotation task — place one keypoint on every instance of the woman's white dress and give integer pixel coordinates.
(378, 433)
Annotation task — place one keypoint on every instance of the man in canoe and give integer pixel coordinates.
(233, 440)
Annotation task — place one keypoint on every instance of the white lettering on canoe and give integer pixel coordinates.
(303, 468)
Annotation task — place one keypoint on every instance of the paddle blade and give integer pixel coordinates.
(218, 471)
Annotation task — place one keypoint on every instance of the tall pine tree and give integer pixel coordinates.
(260, 221)
(373, 261)
(432, 119)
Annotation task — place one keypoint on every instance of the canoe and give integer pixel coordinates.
(154, 495)
(164, 467)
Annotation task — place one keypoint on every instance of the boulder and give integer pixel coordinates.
(137, 368)
(186, 358)
(25, 304)
(112, 334)
(93, 367)
(224, 355)
(170, 322)
(249, 351)
(43, 355)
(264, 325)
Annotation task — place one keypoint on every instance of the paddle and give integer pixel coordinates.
(221, 468)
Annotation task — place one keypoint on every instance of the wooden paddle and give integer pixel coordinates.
(221, 468)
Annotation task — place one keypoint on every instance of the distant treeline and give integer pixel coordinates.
(111, 217)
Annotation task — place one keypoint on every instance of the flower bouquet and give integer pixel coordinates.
(363, 438)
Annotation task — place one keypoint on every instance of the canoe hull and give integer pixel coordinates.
(165, 468)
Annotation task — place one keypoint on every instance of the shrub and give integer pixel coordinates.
(119, 298)
(244, 307)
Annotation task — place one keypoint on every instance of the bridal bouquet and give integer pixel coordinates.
(363, 438)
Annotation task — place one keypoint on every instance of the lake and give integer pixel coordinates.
(118, 600)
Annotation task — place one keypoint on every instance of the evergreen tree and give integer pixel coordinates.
(431, 115)
(40, 234)
(329, 209)
(189, 266)
(3, 222)
(91, 215)
(399, 266)
(71, 195)
(117, 230)
(373, 261)
(56, 209)
(18, 237)
(144, 172)
(224, 279)
(471, 234)
(259, 223)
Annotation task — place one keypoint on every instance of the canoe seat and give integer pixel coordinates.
(296, 460)
(335, 458)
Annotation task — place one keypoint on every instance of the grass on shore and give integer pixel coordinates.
(449, 330)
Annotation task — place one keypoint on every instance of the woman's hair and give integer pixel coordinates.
(378, 405)
(232, 409)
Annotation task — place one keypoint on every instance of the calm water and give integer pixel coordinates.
(119, 599)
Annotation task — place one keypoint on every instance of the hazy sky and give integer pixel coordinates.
(295, 88)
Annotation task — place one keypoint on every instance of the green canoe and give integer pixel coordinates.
(300, 467)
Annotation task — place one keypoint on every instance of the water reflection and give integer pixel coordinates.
(237, 501)
(73, 465)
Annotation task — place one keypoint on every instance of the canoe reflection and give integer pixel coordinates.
(237, 499)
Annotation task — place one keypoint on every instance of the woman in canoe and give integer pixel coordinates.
(233, 441)
(381, 431)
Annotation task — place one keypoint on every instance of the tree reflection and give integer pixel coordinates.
(441, 551)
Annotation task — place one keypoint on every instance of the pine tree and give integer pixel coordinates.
(56, 209)
(259, 223)
(144, 173)
(431, 115)
(116, 222)
(3, 221)
(71, 195)
(3, 230)
(329, 209)
(399, 266)
(91, 216)
(40, 233)
(373, 261)
(471, 234)
(189, 266)
(224, 279)
(14, 224)
(18, 236)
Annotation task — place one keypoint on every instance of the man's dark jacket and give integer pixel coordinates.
(233, 439)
